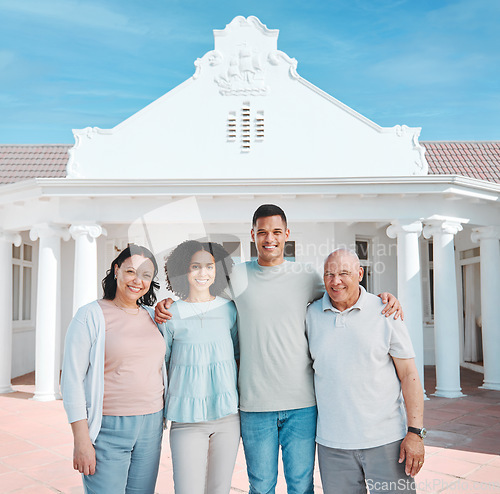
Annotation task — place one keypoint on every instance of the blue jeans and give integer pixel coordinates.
(264, 432)
(127, 453)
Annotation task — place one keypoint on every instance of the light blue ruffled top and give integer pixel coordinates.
(202, 344)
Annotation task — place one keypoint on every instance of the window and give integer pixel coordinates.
(363, 248)
(426, 256)
(431, 278)
(234, 250)
(22, 270)
(290, 251)
(470, 253)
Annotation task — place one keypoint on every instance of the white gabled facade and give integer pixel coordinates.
(245, 130)
(246, 113)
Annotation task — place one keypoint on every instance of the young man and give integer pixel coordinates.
(277, 402)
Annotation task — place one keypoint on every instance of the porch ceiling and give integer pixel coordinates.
(70, 201)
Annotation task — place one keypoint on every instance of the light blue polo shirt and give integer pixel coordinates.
(358, 393)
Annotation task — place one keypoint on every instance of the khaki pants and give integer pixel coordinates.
(204, 454)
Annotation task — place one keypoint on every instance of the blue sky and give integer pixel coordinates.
(68, 64)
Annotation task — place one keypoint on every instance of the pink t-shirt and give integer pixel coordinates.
(133, 358)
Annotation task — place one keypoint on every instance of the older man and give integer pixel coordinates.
(362, 362)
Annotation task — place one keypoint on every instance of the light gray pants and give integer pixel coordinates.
(204, 454)
(353, 470)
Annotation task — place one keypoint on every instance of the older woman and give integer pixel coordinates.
(202, 344)
(113, 380)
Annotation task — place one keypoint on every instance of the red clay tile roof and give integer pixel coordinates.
(21, 162)
(475, 159)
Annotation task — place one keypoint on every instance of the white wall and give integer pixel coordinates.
(23, 352)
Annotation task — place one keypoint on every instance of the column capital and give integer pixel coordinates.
(12, 237)
(47, 230)
(441, 226)
(91, 230)
(396, 227)
(485, 233)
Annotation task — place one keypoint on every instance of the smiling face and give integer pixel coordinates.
(133, 280)
(342, 276)
(270, 234)
(201, 274)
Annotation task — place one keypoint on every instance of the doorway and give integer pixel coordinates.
(471, 289)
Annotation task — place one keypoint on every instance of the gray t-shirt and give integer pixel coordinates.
(275, 365)
(358, 392)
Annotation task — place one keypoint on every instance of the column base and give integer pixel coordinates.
(447, 393)
(6, 389)
(490, 385)
(47, 396)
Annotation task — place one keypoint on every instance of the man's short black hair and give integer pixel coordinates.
(267, 210)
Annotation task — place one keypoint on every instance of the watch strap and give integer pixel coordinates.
(419, 432)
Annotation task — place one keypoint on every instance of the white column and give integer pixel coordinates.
(85, 279)
(48, 331)
(446, 324)
(410, 285)
(6, 241)
(488, 238)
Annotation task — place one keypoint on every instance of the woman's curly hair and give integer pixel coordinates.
(109, 281)
(179, 260)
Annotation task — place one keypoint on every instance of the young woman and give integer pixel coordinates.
(113, 380)
(202, 344)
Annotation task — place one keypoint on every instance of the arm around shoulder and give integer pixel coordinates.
(392, 305)
(162, 313)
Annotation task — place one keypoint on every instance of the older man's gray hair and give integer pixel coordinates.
(346, 251)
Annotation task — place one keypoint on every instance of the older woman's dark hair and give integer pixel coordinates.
(179, 260)
(109, 282)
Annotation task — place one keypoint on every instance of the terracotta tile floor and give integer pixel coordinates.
(462, 448)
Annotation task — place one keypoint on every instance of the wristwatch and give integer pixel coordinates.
(419, 432)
